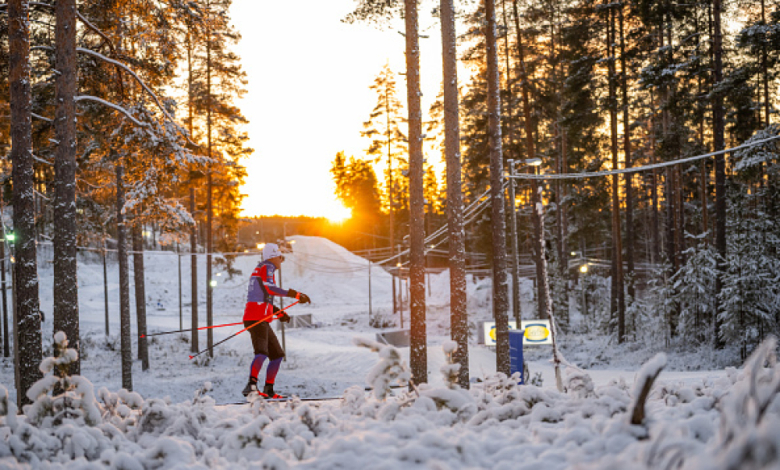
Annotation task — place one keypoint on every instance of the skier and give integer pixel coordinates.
(259, 305)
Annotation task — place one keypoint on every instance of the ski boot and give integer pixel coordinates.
(250, 387)
(268, 393)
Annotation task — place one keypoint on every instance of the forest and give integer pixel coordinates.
(120, 116)
(681, 254)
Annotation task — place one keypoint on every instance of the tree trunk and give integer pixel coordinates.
(209, 197)
(618, 299)
(680, 220)
(538, 252)
(3, 265)
(500, 301)
(140, 293)
(27, 321)
(391, 196)
(510, 141)
(124, 283)
(459, 327)
(720, 164)
(655, 252)
(764, 73)
(66, 294)
(194, 274)
(194, 230)
(630, 242)
(562, 251)
(418, 354)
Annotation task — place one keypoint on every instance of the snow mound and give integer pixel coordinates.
(731, 423)
(332, 275)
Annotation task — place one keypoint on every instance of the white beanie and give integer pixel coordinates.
(271, 250)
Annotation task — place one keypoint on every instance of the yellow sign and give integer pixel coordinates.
(489, 331)
(536, 332)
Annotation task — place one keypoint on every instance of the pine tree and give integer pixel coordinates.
(27, 321)
(388, 141)
(500, 301)
(418, 355)
(458, 317)
(66, 304)
(357, 188)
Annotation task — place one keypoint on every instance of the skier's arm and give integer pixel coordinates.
(273, 289)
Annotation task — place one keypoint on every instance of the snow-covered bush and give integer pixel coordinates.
(119, 407)
(391, 368)
(450, 369)
(76, 398)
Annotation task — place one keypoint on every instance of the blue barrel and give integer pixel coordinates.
(516, 353)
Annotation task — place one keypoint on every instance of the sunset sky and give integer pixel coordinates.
(308, 95)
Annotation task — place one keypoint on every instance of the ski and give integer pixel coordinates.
(286, 399)
(282, 400)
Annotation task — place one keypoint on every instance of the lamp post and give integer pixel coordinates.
(515, 245)
(515, 249)
(537, 215)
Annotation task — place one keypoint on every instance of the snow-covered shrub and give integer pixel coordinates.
(76, 400)
(578, 383)
(750, 416)
(450, 369)
(391, 368)
(118, 407)
(8, 409)
(201, 397)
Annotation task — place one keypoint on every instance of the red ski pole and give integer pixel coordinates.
(275, 314)
(190, 329)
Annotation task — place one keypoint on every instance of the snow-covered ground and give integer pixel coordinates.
(701, 419)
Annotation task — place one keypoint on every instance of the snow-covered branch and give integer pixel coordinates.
(140, 82)
(95, 29)
(110, 105)
(41, 160)
(38, 116)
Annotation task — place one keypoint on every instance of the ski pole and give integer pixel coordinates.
(275, 314)
(190, 329)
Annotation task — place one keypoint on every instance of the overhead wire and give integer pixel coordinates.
(637, 169)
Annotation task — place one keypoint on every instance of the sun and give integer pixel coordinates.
(336, 213)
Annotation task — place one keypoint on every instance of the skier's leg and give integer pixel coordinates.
(259, 337)
(275, 354)
(273, 369)
(257, 364)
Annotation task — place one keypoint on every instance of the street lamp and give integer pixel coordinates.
(584, 271)
(534, 162)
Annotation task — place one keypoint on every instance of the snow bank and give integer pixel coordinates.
(732, 423)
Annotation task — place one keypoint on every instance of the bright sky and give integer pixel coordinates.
(308, 95)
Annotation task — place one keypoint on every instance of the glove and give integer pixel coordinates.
(292, 293)
(304, 298)
(284, 318)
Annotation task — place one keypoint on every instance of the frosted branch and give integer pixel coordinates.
(110, 105)
(96, 30)
(41, 160)
(38, 116)
(140, 82)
